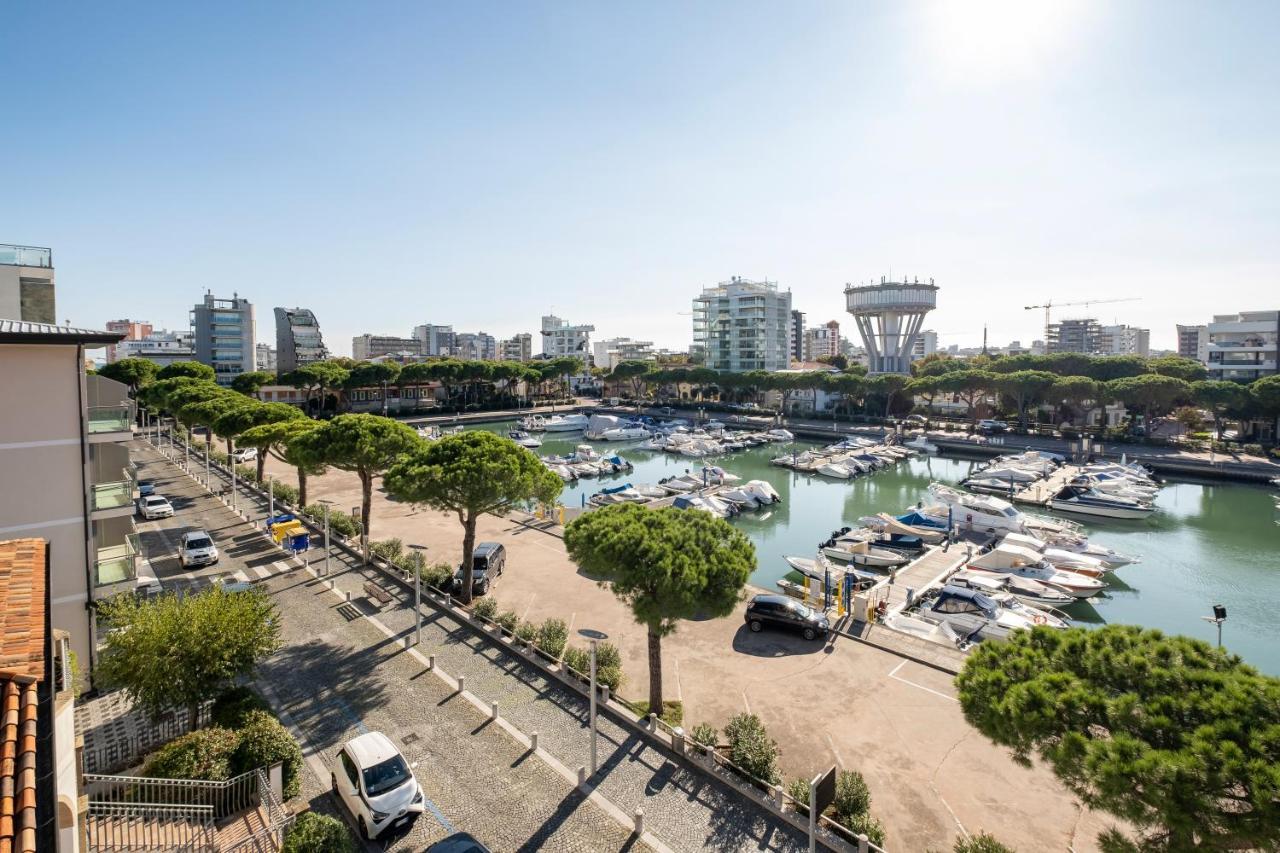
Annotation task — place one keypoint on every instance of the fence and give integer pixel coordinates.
(223, 799)
(121, 752)
(278, 820)
(112, 827)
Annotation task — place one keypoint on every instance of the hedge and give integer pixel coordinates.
(318, 833)
(263, 741)
(203, 754)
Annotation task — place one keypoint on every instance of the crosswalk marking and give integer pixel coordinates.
(261, 571)
(281, 566)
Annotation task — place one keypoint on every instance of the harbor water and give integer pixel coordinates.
(1209, 543)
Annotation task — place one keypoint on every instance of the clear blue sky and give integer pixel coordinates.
(387, 164)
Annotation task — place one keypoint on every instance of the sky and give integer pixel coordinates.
(482, 164)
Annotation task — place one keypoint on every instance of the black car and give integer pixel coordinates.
(487, 561)
(779, 611)
(459, 842)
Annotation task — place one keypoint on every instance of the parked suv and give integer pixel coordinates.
(779, 611)
(990, 427)
(197, 549)
(376, 784)
(487, 561)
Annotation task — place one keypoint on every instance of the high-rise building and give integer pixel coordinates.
(160, 347)
(264, 358)
(364, 347)
(561, 338)
(516, 348)
(66, 438)
(26, 284)
(476, 346)
(1243, 346)
(741, 325)
(889, 316)
(298, 340)
(1124, 340)
(225, 336)
(926, 343)
(436, 340)
(134, 330)
(1083, 335)
(609, 354)
(795, 336)
(822, 341)
(1193, 342)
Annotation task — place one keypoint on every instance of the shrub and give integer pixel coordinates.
(1253, 449)
(853, 797)
(285, 493)
(798, 789)
(318, 833)
(485, 608)
(203, 754)
(552, 636)
(578, 659)
(751, 748)
(526, 632)
(705, 734)
(247, 473)
(410, 561)
(232, 707)
(438, 575)
(508, 620)
(339, 522)
(608, 656)
(609, 675)
(387, 549)
(980, 843)
(869, 826)
(263, 742)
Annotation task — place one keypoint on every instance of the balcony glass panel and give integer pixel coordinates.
(117, 563)
(112, 495)
(117, 418)
(25, 256)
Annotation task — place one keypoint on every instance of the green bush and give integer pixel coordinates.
(485, 608)
(751, 748)
(1254, 450)
(247, 473)
(410, 561)
(438, 575)
(798, 789)
(387, 549)
(980, 843)
(339, 522)
(263, 741)
(318, 833)
(285, 493)
(526, 632)
(608, 656)
(706, 735)
(203, 754)
(508, 620)
(552, 636)
(853, 797)
(578, 660)
(869, 826)
(231, 708)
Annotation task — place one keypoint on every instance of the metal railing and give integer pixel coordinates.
(223, 798)
(278, 820)
(116, 563)
(111, 495)
(117, 417)
(119, 827)
(25, 256)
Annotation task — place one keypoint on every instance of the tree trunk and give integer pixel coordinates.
(193, 716)
(366, 502)
(262, 464)
(655, 673)
(468, 549)
(302, 488)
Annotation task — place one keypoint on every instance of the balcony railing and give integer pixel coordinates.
(117, 563)
(25, 256)
(112, 495)
(114, 418)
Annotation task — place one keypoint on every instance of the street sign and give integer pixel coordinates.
(823, 790)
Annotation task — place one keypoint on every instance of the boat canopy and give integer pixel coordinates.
(1006, 557)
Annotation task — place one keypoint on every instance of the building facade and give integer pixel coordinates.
(741, 325)
(26, 284)
(517, 348)
(436, 340)
(609, 354)
(365, 347)
(1124, 340)
(822, 341)
(133, 330)
(265, 358)
(298, 339)
(1084, 336)
(476, 346)
(1243, 346)
(1193, 342)
(225, 336)
(561, 338)
(926, 343)
(795, 336)
(162, 348)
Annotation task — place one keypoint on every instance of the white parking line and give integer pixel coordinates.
(894, 675)
(835, 752)
(675, 661)
(745, 703)
(261, 571)
(281, 566)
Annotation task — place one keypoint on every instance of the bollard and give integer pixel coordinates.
(780, 795)
(348, 596)
(493, 710)
(639, 821)
(864, 844)
(677, 740)
(582, 775)
(533, 742)
(407, 642)
(462, 683)
(651, 722)
(604, 693)
(448, 600)
(431, 661)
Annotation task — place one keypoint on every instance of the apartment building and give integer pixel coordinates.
(134, 330)
(609, 354)
(561, 338)
(436, 340)
(26, 284)
(225, 336)
(926, 343)
(65, 457)
(1124, 340)
(162, 347)
(476, 346)
(795, 336)
(741, 325)
(822, 341)
(298, 339)
(365, 347)
(1243, 346)
(1193, 342)
(264, 358)
(517, 348)
(1083, 335)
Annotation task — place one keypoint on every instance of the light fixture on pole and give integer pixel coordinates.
(595, 637)
(326, 535)
(1219, 616)
(417, 594)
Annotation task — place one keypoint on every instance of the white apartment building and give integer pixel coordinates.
(741, 325)
(1193, 342)
(609, 354)
(561, 338)
(516, 348)
(926, 343)
(821, 341)
(1243, 346)
(436, 340)
(365, 347)
(161, 347)
(265, 358)
(1124, 340)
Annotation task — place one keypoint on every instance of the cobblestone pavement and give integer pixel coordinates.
(684, 809)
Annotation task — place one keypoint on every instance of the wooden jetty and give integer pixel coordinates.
(1042, 491)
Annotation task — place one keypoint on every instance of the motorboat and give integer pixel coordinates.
(625, 433)
(1092, 502)
(973, 614)
(862, 552)
(706, 503)
(652, 492)
(714, 475)
(752, 494)
(1027, 589)
(780, 435)
(922, 444)
(1114, 485)
(835, 470)
(990, 586)
(907, 525)
(1016, 560)
(1072, 561)
(822, 570)
(532, 423)
(524, 439)
(619, 494)
(679, 485)
(979, 512)
(1014, 473)
(991, 485)
(564, 472)
(565, 423)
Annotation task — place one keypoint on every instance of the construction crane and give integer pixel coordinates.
(1048, 306)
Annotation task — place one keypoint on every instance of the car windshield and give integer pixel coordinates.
(199, 542)
(801, 610)
(383, 777)
(155, 501)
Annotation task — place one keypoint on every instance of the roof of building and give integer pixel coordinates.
(22, 332)
(22, 639)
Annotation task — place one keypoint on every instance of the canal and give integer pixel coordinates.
(1210, 543)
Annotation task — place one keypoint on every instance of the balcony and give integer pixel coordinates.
(111, 422)
(25, 256)
(117, 563)
(108, 500)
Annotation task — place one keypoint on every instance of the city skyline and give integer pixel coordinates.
(609, 167)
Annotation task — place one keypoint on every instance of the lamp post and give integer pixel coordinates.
(326, 535)
(271, 497)
(1219, 616)
(594, 637)
(417, 596)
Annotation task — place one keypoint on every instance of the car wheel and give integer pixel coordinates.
(364, 828)
(755, 625)
(810, 634)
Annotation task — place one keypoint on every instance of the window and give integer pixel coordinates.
(349, 767)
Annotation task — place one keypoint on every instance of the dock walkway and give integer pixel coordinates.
(918, 576)
(1042, 491)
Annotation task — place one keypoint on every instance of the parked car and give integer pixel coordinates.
(459, 842)
(991, 427)
(779, 611)
(146, 488)
(154, 506)
(197, 549)
(376, 784)
(245, 454)
(487, 560)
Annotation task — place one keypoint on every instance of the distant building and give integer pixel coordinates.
(365, 347)
(436, 340)
(1193, 342)
(516, 348)
(1084, 336)
(225, 336)
(741, 325)
(159, 347)
(822, 341)
(298, 340)
(476, 346)
(560, 338)
(1243, 346)
(889, 316)
(1039, 347)
(926, 343)
(795, 336)
(609, 354)
(1124, 340)
(133, 330)
(265, 358)
(26, 284)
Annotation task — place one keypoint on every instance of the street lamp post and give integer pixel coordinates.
(595, 637)
(417, 596)
(271, 497)
(326, 535)
(1219, 616)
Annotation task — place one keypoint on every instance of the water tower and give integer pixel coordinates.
(889, 316)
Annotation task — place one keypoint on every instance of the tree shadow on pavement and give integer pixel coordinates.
(564, 810)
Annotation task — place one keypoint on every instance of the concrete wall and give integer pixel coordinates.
(27, 293)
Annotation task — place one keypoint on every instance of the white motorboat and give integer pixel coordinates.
(524, 439)
(835, 470)
(1029, 590)
(707, 503)
(565, 423)
(780, 435)
(1072, 561)
(679, 485)
(888, 525)
(1015, 560)
(979, 512)
(532, 423)
(625, 433)
(1010, 472)
(992, 485)
(1094, 503)
(822, 569)
(860, 552)
(714, 475)
(922, 444)
(971, 613)
(1122, 486)
(564, 472)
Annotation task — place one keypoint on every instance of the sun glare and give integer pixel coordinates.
(999, 38)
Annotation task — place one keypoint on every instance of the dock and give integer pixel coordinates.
(928, 571)
(1042, 491)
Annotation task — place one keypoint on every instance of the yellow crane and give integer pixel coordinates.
(1048, 306)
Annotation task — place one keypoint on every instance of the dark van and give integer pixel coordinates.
(487, 561)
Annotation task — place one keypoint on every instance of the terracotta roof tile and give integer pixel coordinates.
(22, 651)
(22, 590)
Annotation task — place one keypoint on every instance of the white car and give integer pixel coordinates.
(197, 549)
(155, 506)
(245, 454)
(376, 784)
